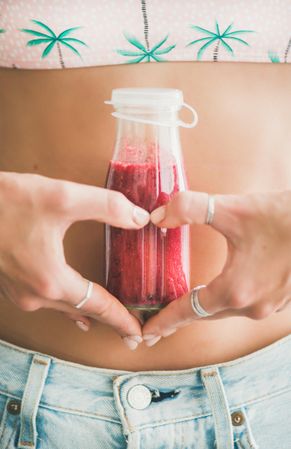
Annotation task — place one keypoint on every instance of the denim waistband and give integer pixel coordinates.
(103, 393)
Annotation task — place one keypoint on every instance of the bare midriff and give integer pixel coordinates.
(55, 123)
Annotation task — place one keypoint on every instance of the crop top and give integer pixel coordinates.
(52, 34)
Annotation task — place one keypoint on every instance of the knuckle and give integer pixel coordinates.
(105, 309)
(261, 312)
(239, 299)
(48, 288)
(28, 304)
(116, 204)
(183, 206)
(59, 196)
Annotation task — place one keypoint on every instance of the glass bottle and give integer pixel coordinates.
(147, 268)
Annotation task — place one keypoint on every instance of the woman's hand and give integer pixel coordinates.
(256, 278)
(35, 212)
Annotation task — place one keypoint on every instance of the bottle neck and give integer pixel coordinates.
(151, 116)
(140, 139)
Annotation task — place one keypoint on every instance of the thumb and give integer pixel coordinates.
(191, 208)
(184, 208)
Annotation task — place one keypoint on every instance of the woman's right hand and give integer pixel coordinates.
(35, 213)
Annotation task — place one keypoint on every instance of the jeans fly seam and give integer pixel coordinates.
(183, 439)
(239, 444)
(248, 431)
(250, 443)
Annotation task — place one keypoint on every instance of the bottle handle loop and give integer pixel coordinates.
(195, 117)
(156, 122)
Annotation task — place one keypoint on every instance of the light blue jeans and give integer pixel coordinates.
(48, 403)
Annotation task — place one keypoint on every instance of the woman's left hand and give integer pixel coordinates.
(256, 278)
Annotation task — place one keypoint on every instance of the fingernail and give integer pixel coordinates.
(152, 341)
(158, 214)
(130, 343)
(84, 327)
(136, 338)
(149, 336)
(140, 216)
(164, 232)
(168, 332)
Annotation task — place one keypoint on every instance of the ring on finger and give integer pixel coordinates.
(283, 306)
(210, 209)
(196, 306)
(87, 296)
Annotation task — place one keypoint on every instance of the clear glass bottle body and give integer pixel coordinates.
(147, 268)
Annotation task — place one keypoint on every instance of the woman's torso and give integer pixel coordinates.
(55, 123)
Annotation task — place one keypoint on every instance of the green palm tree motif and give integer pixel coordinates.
(52, 39)
(273, 56)
(143, 53)
(218, 38)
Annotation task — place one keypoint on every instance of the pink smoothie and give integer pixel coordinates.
(145, 267)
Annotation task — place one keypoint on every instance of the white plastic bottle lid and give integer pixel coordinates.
(160, 99)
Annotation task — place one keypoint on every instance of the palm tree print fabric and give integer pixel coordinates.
(51, 40)
(217, 38)
(144, 52)
(52, 34)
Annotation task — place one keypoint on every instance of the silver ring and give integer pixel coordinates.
(196, 306)
(87, 296)
(210, 209)
(286, 304)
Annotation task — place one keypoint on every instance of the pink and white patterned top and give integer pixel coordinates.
(52, 34)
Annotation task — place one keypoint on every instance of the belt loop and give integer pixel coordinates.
(219, 405)
(31, 397)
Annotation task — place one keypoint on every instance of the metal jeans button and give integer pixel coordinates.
(13, 407)
(237, 418)
(139, 397)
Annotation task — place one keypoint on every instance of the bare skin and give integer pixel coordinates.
(54, 123)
